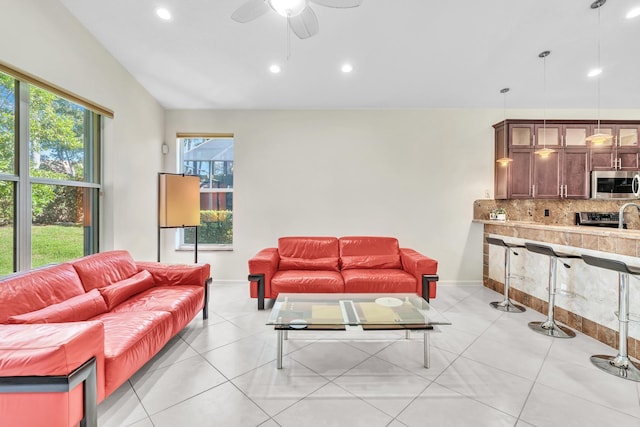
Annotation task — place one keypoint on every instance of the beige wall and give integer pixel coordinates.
(413, 174)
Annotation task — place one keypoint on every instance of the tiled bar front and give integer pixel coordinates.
(587, 296)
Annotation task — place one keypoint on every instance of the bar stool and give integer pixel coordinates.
(550, 327)
(619, 365)
(506, 304)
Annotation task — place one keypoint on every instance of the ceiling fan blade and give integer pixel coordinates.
(341, 4)
(251, 10)
(304, 25)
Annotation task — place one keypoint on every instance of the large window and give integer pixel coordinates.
(49, 177)
(211, 158)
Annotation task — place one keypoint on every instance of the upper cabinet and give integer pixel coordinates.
(565, 172)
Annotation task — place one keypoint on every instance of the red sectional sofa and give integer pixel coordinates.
(348, 264)
(93, 321)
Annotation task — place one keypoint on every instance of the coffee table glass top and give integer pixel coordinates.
(379, 311)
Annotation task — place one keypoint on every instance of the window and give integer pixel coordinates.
(211, 158)
(49, 176)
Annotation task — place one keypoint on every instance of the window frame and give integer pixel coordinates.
(180, 245)
(24, 181)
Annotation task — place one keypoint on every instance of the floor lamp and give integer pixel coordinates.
(178, 204)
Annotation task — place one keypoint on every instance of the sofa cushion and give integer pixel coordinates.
(308, 253)
(183, 302)
(99, 270)
(75, 309)
(363, 252)
(130, 340)
(119, 292)
(176, 274)
(312, 281)
(379, 281)
(25, 292)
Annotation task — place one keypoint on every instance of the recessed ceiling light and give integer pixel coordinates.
(633, 13)
(595, 72)
(163, 13)
(275, 68)
(347, 68)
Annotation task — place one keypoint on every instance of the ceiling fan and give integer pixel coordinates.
(300, 17)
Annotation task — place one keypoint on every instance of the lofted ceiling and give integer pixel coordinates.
(405, 54)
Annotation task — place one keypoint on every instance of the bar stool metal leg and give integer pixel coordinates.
(506, 305)
(550, 327)
(620, 365)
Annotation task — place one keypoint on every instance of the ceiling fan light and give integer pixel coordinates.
(599, 138)
(288, 8)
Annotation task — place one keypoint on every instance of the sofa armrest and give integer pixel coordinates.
(419, 266)
(40, 364)
(262, 267)
(180, 274)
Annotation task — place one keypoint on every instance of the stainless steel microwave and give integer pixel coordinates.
(614, 184)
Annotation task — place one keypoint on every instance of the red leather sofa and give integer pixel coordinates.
(348, 264)
(72, 333)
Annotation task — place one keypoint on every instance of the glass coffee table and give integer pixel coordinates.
(349, 312)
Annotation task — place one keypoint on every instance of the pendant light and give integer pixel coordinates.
(504, 161)
(544, 152)
(598, 136)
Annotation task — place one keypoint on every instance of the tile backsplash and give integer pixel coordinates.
(560, 212)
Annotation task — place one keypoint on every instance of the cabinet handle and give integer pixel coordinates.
(561, 190)
(619, 162)
(533, 190)
(566, 190)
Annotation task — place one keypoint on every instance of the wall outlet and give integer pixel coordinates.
(546, 212)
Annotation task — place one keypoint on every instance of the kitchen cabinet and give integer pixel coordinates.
(612, 158)
(566, 172)
(520, 174)
(574, 183)
(546, 176)
(547, 135)
(623, 135)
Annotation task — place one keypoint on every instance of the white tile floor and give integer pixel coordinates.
(487, 369)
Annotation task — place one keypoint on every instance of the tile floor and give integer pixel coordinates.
(487, 369)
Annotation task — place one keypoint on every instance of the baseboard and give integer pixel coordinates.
(230, 282)
(460, 282)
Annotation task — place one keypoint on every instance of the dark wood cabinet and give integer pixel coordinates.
(565, 173)
(575, 173)
(546, 176)
(520, 177)
(627, 159)
(602, 158)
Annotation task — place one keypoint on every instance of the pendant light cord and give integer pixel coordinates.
(600, 70)
(544, 109)
(288, 38)
(504, 112)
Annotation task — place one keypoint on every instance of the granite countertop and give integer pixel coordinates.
(594, 231)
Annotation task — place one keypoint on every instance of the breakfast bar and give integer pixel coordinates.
(587, 297)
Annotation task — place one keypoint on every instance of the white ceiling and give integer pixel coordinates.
(405, 53)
